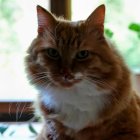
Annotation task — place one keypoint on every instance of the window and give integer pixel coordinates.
(17, 29)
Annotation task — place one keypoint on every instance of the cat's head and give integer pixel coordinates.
(66, 53)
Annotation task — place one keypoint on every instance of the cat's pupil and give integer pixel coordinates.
(82, 55)
(53, 53)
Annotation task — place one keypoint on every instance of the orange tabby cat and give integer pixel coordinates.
(84, 85)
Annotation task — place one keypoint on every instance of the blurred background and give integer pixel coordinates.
(18, 27)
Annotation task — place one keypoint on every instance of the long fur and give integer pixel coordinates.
(86, 99)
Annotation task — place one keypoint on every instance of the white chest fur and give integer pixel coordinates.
(78, 106)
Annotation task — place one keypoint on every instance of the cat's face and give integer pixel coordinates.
(66, 53)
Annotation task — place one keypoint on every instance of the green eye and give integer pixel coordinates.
(82, 55)
(53, 53)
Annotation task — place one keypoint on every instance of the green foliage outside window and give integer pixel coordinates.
(9, 15)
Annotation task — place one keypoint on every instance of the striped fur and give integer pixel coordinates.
(81, 99)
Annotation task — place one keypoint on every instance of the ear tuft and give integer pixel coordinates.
(97, 16)
(45, 19)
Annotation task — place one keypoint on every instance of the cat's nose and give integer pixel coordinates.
(66, 74)
(68, 77)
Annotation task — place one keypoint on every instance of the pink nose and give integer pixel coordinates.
(66, 74)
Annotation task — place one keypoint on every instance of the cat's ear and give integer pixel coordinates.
(45, 20)
(97, 17)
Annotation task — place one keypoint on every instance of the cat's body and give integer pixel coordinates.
(84, 85)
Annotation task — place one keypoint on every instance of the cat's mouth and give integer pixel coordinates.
(69, 84)
(66, 83)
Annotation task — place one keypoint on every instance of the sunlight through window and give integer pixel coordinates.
(18, 27)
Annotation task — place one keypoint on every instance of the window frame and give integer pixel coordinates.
(15, 111)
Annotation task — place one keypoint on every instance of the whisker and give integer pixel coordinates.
(17, 110)
(10, 106)
(103, 82)
(43, 82)
(32, 119)
(41, 73)
(44, 73)
(22, 111)
(42, 78)
(39, 78)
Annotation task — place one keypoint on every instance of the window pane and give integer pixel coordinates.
(119, 18)
(18, 27)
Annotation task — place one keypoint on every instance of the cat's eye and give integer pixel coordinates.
(53, 53)
(82, 55)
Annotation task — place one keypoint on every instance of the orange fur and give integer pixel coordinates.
(119, 117)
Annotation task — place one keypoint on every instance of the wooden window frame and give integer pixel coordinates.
(61, 8)
(15, 111)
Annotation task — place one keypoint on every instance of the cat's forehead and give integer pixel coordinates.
(69, 33)
(69, 28)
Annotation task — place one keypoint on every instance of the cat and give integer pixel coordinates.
(85, 89)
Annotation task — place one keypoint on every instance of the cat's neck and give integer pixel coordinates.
(76, 107)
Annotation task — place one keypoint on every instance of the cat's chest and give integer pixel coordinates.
(78, 107)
